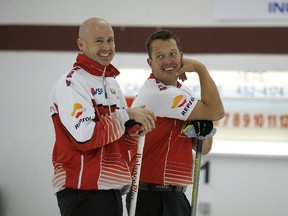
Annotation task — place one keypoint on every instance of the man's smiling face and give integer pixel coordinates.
(97, 42)
(165, 61)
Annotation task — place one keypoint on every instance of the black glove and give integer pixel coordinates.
(132, 127)
(202, 127)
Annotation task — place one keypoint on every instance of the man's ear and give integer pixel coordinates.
(149, 61)
(80, 44)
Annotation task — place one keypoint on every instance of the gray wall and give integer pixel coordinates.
(27, 136)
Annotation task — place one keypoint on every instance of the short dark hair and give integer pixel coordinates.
(161, 35)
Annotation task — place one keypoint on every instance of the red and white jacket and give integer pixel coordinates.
(167, 154)
(91, 147)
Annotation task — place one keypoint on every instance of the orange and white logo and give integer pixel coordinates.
(77, 110)
(178, 101)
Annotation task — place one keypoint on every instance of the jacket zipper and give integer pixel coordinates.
(105, 89)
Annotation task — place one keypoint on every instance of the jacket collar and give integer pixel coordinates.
(158, 81)
(95, 68)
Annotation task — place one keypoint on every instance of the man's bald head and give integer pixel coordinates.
(92, 23)
(96, 40)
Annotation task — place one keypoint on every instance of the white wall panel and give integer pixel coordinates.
(124, 12)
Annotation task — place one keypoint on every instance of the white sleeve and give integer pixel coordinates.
(169, 101)
(75, 107)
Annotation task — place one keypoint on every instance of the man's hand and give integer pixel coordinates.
(143, 116)
(202, 127)
(189, 65)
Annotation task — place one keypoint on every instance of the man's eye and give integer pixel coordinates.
(159, 57)
(110, 41)
(99, 41)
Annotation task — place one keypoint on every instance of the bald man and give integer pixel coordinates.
(89, 113)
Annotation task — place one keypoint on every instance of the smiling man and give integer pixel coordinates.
(89, 112)
(167, 157)
(96, 41)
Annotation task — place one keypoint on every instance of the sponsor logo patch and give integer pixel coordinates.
(77, 110)
(178, 101)
(96, 91)
(187, 107)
